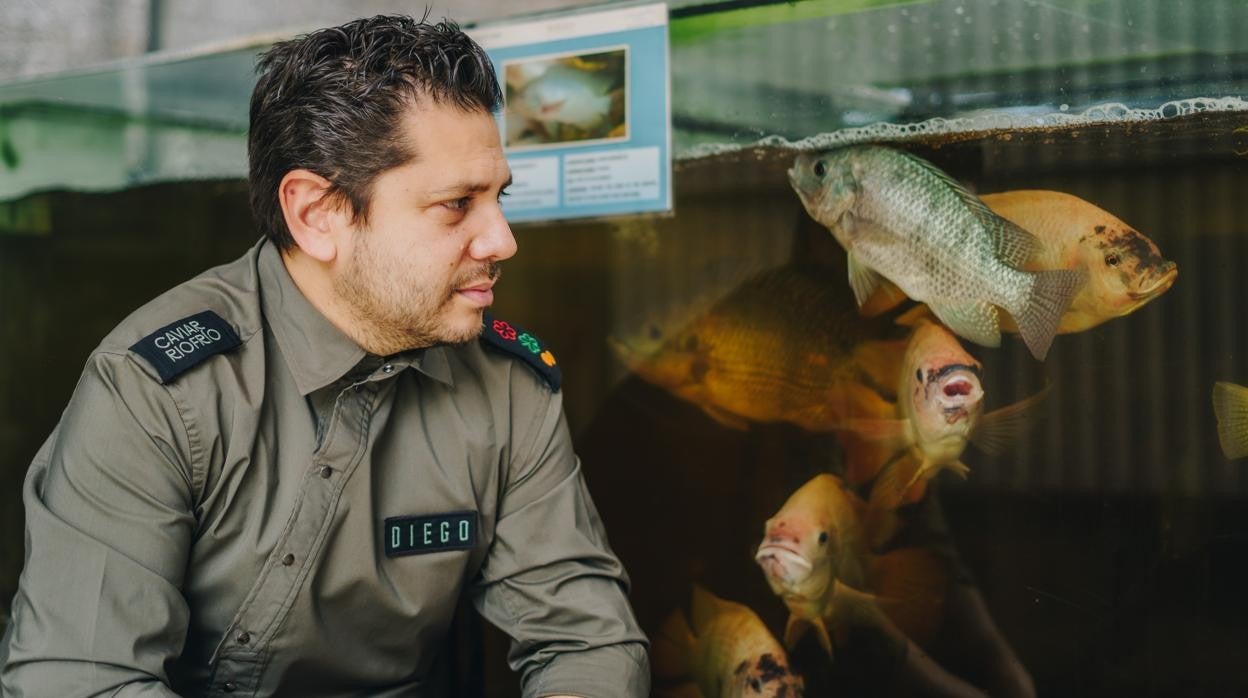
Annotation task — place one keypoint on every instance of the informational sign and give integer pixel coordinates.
(587, 120)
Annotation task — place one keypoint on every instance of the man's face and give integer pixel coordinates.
(421, 271)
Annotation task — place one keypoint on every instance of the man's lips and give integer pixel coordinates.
(481, 294)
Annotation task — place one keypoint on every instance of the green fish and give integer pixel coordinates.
(901, 218)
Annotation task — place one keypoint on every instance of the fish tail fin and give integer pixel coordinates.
(1230, 405)
(673, 648)
(1050, 296)
(911, 584)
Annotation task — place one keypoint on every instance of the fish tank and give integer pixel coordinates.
(821, 475)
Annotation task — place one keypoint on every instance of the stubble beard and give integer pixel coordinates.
(394, 314)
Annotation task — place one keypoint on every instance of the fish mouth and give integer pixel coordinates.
(958, 390)
(1164, 279)
(783, 561)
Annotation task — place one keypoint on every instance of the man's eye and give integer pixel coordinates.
(503, 193)
(458, 204)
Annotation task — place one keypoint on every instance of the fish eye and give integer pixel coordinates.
(756, 685)
(821, 169)
(1112, 259)
(823, 537)
(918, 375)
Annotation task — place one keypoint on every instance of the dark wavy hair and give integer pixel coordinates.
(330, 102)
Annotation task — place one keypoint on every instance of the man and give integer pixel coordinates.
(278, 477)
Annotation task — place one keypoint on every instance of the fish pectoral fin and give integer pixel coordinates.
(886, 297)
(1230, 405)
(973, 320)
(888, 430)
(862, 279)
(854, 605)
(889, 490)
(1001, 428)
(726, 418)
(797, 627)
(913, 316)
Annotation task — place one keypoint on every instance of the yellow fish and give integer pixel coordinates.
(939, 410)
(1230, 405)
(1123, 269)
(785, 346)
(728, 652)
(815, 556)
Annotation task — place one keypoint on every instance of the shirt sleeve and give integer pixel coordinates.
(550, 580)
(109, 521)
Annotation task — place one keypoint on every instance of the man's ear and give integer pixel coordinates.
(316, 222)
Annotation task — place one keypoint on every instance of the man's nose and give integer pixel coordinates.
(495, 243)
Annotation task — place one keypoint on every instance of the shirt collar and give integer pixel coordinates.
(316, 351)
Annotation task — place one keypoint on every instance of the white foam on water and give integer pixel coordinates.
(1101, 114)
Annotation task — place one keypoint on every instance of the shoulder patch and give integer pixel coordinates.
(506, 337)
(180, 346)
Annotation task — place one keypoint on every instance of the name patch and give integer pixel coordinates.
(414, 535)
(180, 346)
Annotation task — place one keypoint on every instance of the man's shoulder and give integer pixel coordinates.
(502, 338)
(210, 314)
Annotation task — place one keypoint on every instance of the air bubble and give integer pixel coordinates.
(990, 121)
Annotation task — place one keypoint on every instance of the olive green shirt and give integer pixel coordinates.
(224, 533)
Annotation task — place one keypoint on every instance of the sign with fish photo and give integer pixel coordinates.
(586, 121)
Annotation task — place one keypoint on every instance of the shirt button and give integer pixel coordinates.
(288, 560)
(229, 687)
(388, 368)
(244, 637)
(326, 471)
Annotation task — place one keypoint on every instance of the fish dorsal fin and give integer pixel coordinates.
(704, 608)
(1001, 428)
(673, 648)
(1012, 244)
(974, 320)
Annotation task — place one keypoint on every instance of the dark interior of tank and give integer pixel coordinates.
(1108, 544)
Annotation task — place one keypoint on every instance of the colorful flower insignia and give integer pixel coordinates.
(504, 330)
(504, 336)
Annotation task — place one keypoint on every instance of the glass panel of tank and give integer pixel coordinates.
(812, 495)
